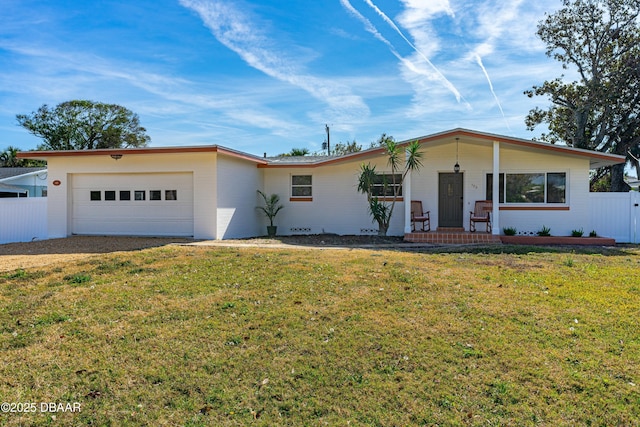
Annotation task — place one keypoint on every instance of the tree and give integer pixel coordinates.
(599, 111)
(342, 148)
(384, 138)
(84, 125)
(295, 152)
(384, 190)
(9, 159)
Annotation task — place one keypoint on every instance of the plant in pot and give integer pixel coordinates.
(271, 208)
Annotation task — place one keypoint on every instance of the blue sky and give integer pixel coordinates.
(266, 76)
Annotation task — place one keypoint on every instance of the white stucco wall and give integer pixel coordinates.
(476, 161)
(337, 207)
(237, 184)
(225, 199)
(201, 165)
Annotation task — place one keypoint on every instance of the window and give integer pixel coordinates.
(385, 185)
(96, 195)
(490, 187)
(556, 188)
(109, 195)
(301, 186)
(171, 194)
(125, 195)
(525, 188)
(139, 195)
(155, 195)
(529, 187)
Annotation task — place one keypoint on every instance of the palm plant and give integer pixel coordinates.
(369, 180)
(271, 208)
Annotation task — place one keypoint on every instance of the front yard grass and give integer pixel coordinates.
(230, 336)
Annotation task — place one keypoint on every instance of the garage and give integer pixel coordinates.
(130, 204)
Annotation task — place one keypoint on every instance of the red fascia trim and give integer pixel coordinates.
(138, 151)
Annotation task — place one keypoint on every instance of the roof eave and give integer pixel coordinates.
(44, 155)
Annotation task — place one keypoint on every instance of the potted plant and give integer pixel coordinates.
(271, 208)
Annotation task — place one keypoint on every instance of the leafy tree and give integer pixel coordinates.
(298, 152)
(382, 194)
(295, 152)
(9, 159)
(84, 125)
(381, 142)
(342, 148)
(600, 39)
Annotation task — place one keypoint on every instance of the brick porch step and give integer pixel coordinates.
(451, 237)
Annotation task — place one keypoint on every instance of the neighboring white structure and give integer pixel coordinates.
(209, 192)
(23, 182)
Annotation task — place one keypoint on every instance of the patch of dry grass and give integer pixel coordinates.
(201, 336)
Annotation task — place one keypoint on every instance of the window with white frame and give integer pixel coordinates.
(301, 186)
(386, 185)
(539, 187)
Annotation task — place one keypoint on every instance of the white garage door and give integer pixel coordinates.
(149, 204)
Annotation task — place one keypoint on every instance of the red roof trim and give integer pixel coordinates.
(264, 163)
(138, 151)
(460, 133)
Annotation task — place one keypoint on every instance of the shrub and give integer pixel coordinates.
(593, 233)
(509, 231)
(577, 233)
(545, 231)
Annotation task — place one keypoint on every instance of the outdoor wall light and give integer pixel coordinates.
(116, 156)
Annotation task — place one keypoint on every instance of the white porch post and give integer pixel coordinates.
(407, 202)
(495, 214)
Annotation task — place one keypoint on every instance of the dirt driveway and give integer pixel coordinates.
(45, 252)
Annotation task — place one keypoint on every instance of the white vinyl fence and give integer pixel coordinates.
(23, 219)
(616, 215)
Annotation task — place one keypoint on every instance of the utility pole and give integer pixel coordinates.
(328, 140)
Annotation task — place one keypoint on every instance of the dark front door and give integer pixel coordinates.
(450, 200)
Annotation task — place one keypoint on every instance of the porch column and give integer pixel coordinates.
(406, 192)
(495, 214)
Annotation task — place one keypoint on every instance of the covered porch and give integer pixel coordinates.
(537, 186)
(449, 195)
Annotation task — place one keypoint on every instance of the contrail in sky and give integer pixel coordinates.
(484, 70)
(373, 30)
(389, 21)
(368, 25)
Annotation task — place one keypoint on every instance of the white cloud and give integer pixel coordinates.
(239, 33)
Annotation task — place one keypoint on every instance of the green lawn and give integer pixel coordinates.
(232, 337)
